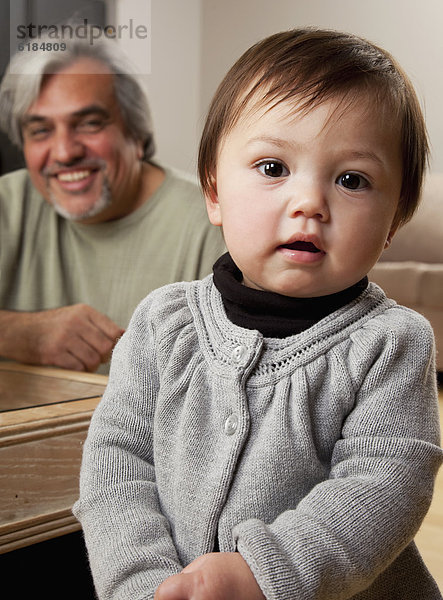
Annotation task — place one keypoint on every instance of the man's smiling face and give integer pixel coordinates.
(79, 155)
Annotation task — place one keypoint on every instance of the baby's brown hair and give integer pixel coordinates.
(311, 66)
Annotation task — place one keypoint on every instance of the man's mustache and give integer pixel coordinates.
(87, 164)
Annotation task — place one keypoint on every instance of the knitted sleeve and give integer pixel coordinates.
(350, 528)
(128, 539)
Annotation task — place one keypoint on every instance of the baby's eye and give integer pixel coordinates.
(272, 168)
(352, 181)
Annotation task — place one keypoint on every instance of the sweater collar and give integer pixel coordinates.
(274, 315)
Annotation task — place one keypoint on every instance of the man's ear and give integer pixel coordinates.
(212, 203)
(140, 150)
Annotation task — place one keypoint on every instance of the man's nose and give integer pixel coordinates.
(66, 146)
(308, 199)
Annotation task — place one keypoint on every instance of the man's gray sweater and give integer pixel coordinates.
(314, 456)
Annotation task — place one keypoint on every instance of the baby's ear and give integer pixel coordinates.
(395, 225)
(212, 203)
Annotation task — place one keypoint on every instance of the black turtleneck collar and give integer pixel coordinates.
(274, 315)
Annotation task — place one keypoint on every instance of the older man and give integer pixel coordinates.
(93, 224)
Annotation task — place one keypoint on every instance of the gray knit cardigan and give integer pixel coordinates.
(314, 456)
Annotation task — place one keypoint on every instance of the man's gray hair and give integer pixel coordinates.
(22, 83)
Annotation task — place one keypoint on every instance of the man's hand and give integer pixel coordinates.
(215, 576)
(76, 337)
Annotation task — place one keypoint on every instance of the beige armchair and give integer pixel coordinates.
(411, 270)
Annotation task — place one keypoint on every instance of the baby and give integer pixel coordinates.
(272, 430)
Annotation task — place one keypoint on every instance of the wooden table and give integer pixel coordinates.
(45, 414)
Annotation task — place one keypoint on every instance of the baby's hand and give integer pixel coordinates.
(215, 576)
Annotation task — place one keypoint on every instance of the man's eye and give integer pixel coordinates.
(37, 132)
(352, 181)
(91, 125)
(272, 168)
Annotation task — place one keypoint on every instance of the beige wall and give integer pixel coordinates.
(194, 42)
(173, 84)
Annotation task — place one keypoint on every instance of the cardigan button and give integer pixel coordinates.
(231, 424)
(239, 353)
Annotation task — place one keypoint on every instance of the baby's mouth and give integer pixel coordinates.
(302, 247)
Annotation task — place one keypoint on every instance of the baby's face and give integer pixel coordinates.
(307, 202)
